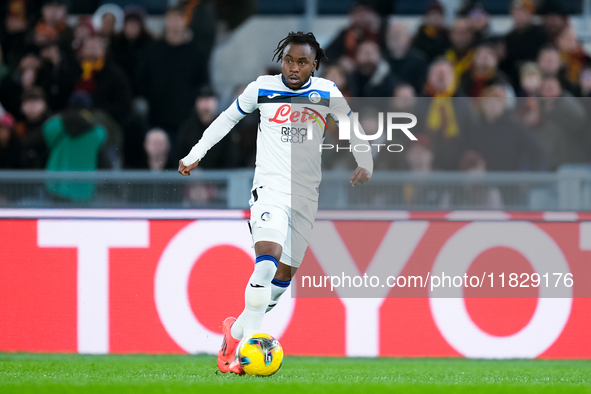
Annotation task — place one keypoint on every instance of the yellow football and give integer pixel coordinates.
(260, 355)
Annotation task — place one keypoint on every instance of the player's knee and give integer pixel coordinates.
(272, 245)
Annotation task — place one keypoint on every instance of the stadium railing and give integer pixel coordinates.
(566, 189)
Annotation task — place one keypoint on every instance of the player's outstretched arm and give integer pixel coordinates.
(363, 158)
(211, 136)
(360, 175)
(186, 170)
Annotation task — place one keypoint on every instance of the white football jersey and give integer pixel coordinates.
(288, 158)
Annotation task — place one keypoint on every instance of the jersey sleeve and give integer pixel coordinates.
(338, 102)
(247, 102)
(221, 126)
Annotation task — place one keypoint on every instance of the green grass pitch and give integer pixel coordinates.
(41, 373)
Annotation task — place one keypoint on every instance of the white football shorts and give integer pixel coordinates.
(284, 219)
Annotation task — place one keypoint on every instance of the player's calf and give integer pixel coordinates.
(278, 287)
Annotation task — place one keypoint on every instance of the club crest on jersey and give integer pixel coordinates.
(314, 97)
(266, 216)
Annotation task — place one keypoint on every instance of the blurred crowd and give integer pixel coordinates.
(104, 93)
(513, 102)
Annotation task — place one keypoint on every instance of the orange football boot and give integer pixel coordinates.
(236, 368)
(227, 353)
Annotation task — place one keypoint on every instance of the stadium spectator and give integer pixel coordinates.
(573, 55)
(55, 16)
(479, 23)
(461, 52)
(530, 80)
(441, 80)
(10, 146)
(110, 156)
(551, 65)
(83, 7)
(48, 66)
(490, 197)
(24, 76)
(372, 76)
(130, 46)
(555, 18)
(420, 159)
(157, 147)
(504, 142)
(584, 92)
(472, 161)
(419, 154)
(16, 18)
(225, 153)
(404, 98)
(448, 115)
(432, 37)
(484, 73)
(407, 62)
(82, 30)
(336, 74)
(4, 69)
(364, 25)
(526, 39)
(171, 75)
(43, 34)
(103, 80)
(562, 129)
(58, 74)
(202, 21)
(157, 158)
(74, 141)
(35, 110)
(584, 86)
(108, 20)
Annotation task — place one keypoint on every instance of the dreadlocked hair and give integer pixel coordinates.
(300, 38)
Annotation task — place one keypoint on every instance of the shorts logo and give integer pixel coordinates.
(266, 216)
(314, 97)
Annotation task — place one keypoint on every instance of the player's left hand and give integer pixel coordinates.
(360, 175)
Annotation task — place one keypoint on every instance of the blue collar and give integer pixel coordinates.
(305, 86)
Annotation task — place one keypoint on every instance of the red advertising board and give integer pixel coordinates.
(125, 282)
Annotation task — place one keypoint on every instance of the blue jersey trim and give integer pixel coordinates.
(240, 109)
(280, 283)
(266, 257)
(283, 93)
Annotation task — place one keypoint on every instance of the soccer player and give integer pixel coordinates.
(284, 199)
